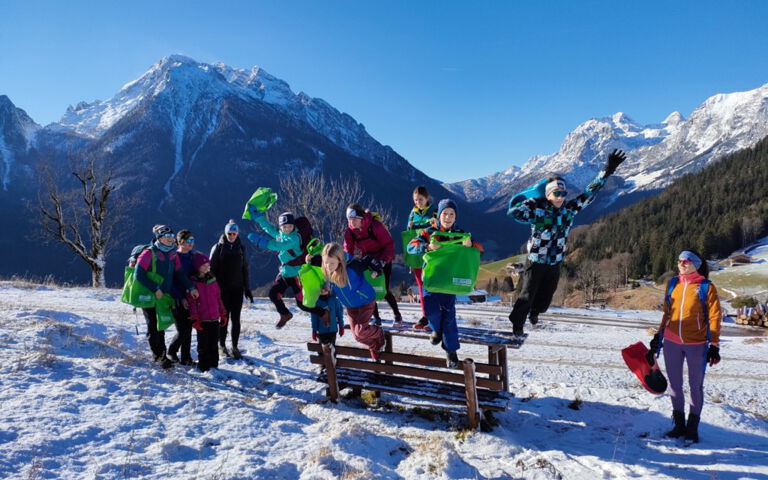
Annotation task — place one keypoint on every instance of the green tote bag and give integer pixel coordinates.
(136, 294)
(413, 261)
(379, 284)
(452, 268)
(311, 279)
(164, 309)
(262, 199)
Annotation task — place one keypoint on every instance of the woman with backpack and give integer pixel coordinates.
(367, 234)
(285, 240)
(689, 332)
(229, 264)
(161, 259)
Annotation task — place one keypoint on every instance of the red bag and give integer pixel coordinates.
(650, 376)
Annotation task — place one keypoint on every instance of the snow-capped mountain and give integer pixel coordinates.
(17, 133)
(190, 81)
(657, 153)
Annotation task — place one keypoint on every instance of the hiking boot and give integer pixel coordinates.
(284, 317)
(452, 360)
(423, 322)
(377, 321)
(692, 429)
(436, 337)
(188, 362)
(172, 357)
(533, 318)
(398, 321)
(679, 430)
(166, 363)
(519, 338)
(236, 353)
(223, 352)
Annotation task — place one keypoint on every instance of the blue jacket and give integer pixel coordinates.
(336, 316)
(358, 291)
(185, 259)
(419, 219)
(287, 244)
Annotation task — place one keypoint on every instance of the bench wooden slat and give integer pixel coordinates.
(466, 335)
(484, 368)
(446, 392)
(410, 371)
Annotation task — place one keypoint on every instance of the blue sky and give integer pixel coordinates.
(460, 89)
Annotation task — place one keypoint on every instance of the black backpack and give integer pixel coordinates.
(136, 251)
(304, 227)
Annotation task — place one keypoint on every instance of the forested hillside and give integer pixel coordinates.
(715, 211)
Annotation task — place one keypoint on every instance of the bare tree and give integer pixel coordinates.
(64, 213)
(324, 200)
(588, 280)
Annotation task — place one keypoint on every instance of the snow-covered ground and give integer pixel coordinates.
(81, 400)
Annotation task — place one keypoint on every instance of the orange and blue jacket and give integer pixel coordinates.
(684, 319)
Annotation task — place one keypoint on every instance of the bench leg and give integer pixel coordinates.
(470, 388)
(330, 371)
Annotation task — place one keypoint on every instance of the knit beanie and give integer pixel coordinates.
(554, 186)
(446, 203)
(199, 260)
(286, 218)
(231, 227)
(160, 230)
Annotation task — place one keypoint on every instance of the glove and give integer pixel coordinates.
(255, 213)
(223, 320)
(713, 355)
(651, 355)
(196, 324)
(248, 294)
(259, 240)
(376, 265)
(341, 331)
(314, 336)
(614, 160)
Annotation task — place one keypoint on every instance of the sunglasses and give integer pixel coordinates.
(559, 193)
(190, 240)
(684, 261)
(231, 233)
(169, 235)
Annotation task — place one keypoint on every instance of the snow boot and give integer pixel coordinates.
(533, 318)
(692, 429)
(223, 352)
(679, 430)
(436, 338)
(453, 360)
(236, 353)
(165, 363)
(284, 317)
(398, 321)
(172, 357)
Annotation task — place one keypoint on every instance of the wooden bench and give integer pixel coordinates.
(480, 386)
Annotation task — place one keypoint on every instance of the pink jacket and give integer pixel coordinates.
(372, 238)
(208, 305)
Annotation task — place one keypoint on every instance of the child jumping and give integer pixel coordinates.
(207, 313)
(287, 242)
(354, 292)
(441, 307)
(420, 218)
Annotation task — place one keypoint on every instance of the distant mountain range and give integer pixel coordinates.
(657, 153)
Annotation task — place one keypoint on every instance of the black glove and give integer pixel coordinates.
(248, 294)
(375, 264)
(614, 160)
(713, 355)
(651, 355)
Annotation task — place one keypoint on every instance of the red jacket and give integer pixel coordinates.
(208, 305)
(372, 238)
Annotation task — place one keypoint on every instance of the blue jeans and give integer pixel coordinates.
(440, 309)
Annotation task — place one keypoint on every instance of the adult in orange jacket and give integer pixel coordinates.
(690, 330)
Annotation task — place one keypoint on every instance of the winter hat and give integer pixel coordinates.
(286, 218)
(160, 230)
(446, 203)
(554, 186)
(231, 227)
(692, 257)
(199, 260)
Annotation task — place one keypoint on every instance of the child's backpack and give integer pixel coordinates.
(304, 227)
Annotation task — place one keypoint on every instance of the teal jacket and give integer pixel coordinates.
(419, 219)
(288, 245)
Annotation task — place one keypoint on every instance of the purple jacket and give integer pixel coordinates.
(208, 305)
